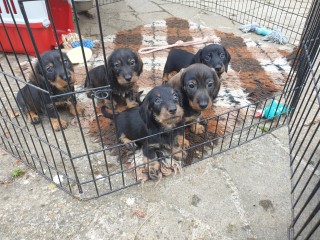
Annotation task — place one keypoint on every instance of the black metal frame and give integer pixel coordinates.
(303, 86)
(52, 154)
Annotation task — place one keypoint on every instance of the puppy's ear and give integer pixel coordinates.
(37, 76)
(140, 65)
(175, 81)
(179, 96)
(38, 69)
(145, 111)
(217, 84)
(109, 70)
(197, 57)
(228, 58)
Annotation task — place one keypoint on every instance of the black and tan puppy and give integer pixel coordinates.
(55, 76)
(199, 85)
(161, 110)
(213, 55)
(122, 72)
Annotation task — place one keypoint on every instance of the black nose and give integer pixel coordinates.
(218, 68)
(203, 104)
(66, 78)
(127, 78)
(172, 109)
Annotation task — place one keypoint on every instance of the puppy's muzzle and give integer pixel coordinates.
(172, 109)
(128, 77)
(218, 68)
(67, 78)
(203, 104)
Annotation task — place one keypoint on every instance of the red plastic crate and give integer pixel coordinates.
(42, 29)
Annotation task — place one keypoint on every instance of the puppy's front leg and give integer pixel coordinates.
(55, 117)
(75, 107)
(33, 117)
(150, 158)
(180, 144)
(131, 103)
(197, 128)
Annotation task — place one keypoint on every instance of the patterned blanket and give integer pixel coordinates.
(257, 70)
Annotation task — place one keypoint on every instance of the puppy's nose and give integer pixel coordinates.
(66, 77)
(218, 68)
(172, 109)
(127, 78)
(203, 104)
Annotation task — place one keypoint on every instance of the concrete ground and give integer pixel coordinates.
(241, 194)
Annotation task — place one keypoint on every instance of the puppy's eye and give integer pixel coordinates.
(49, 69)
(191, 85)
(207, 58)
(116, 65)
(175, 96)
(132, 62)
(210, 84)
(222, 55)
(65, 61)
(158, 101)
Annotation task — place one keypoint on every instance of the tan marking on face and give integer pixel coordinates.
(134, 78)
(33, 117)
(222, 69)
(168, 120)
(61, 84)
(55, 124)
(122, 81)
(195, 104)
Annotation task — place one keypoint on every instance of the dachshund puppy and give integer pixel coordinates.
(199, 85)
(121, 73)
(160, 112)
(213, 55)
(56, 76)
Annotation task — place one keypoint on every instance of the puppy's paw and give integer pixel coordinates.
(197, 128)
(108, 104)
(80, 109)
(131, 146)
(183, 142)
(132, 104)
(179, 154)
(154, 170)
(33, 117)
(127, 142)
(56, 125)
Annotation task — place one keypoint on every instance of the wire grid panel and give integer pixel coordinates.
(287, 16)
(304, 137)
(88, 167)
